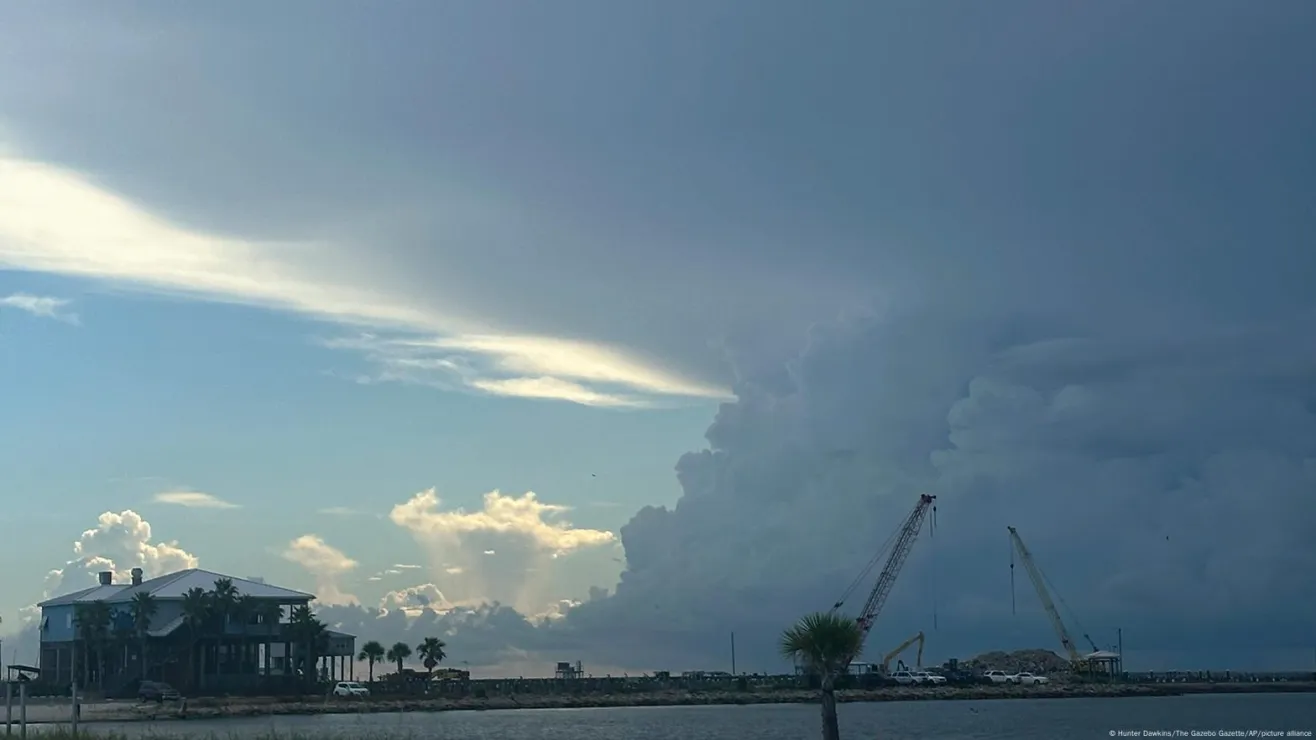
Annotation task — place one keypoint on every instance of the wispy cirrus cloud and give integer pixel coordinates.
(194, 500)
(53, 220)
(344, 511)
(44, 307)
(525, 367)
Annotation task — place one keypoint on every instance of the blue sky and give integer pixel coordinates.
(1052, 263)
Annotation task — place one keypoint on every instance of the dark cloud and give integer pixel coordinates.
(1075, 243)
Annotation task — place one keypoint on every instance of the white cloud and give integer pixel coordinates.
(56, 221)
(526, 516)
(43, 306)
(490, 554)
(118, 543)
(341, 511)
(326, 563)
(193, 500)
(414, 599)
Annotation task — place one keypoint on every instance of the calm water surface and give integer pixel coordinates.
(1016, 719)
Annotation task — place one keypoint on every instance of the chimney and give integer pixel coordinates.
(137, 576)
(107, 577)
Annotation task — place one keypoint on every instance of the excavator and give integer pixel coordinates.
(900, 664)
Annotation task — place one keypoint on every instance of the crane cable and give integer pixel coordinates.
(1013, 610)
(863, 575)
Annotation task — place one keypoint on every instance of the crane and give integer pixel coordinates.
(886, 661)
(1044, 595)
(899, 551)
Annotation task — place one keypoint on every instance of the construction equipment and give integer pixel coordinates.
(918, 662)
(1039, 580)
(899, 546)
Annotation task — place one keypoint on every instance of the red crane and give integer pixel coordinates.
(899, 551)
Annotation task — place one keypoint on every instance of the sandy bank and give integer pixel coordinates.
(45, 712)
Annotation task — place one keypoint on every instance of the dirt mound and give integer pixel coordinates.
(1037, 661)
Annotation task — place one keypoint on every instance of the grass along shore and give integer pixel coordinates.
(208, 708)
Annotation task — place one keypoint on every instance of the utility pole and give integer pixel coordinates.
(733, 653)
(1119, 635)
(73, 688)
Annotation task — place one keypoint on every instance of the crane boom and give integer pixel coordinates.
(1039, 584)
(905, 538)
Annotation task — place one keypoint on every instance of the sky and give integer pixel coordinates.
(601, 330)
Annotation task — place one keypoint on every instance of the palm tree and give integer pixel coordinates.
(371, 652)
(243, 609)
(142, 608)
(311, 633)
(270, 614)
(824, 643)
(93, 625)
(223, 600)
(431, 652)
(196, 613)
(398, 653)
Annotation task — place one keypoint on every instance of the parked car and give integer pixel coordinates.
(903, 678)
(929, 678)
(156, 691)
(998, 677)
(350, 688)
(1025, 678)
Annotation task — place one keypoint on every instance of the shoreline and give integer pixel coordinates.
(220, 708)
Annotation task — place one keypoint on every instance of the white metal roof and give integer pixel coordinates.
(95, 593)
(174, 585)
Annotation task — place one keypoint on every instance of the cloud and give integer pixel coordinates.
(326, 563)
(342, 511)
(1064, 334)
(490, 554)
(414, 599)
(113, 240)
(119, 542)
(193, 500)
(43, 306)
(1186, 456)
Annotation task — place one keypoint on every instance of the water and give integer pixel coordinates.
(1016, 719)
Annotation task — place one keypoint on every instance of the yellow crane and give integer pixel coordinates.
(1044, 595)
(918, 662)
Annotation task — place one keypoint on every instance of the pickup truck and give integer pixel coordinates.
(929, 678)
(998, 677)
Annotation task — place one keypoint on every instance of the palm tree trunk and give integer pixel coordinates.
(831, 729)
(372, 671)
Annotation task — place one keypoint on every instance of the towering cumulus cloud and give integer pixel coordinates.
(1146, 474)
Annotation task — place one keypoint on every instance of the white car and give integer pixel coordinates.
(929, 678)
(904, 678)
(1025, 678)
(350, 688)
(998, 676)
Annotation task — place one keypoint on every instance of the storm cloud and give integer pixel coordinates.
(1051, 264)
